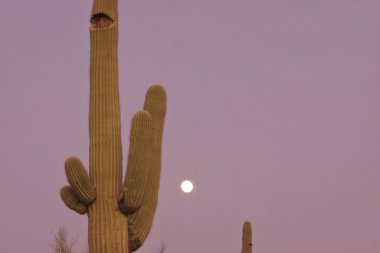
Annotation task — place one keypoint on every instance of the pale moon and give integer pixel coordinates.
(187, 186)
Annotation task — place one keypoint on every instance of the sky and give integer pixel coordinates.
(273, 113)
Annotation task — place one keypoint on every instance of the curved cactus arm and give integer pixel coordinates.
(71, 200)
(79, 181)
(247, 238)
(141, 222)
(137, 167)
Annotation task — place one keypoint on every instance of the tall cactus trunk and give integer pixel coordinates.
(107, 226)
(120, 215)
(247, 238)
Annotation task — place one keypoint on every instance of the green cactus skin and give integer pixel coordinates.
(247, 238)
(120, 214)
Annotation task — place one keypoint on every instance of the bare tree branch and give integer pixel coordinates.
(62, 243)
(162, 247)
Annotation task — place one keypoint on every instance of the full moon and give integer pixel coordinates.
(187, 186)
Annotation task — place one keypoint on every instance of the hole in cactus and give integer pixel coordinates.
(100, 21)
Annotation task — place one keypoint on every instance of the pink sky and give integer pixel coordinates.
(273, 112)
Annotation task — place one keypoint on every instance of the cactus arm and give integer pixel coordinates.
(141, 222)
(81, 193)
(247, 238)
(141, 139)
(71, 200)
(79, 181)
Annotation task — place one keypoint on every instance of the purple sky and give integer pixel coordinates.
(273, 112)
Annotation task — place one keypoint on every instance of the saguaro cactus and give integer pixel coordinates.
(247, 238)
(120, 214)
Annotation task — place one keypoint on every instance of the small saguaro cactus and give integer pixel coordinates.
(120, 214)
(247, 238)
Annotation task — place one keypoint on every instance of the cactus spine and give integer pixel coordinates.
(247, 238)
(120, 214)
